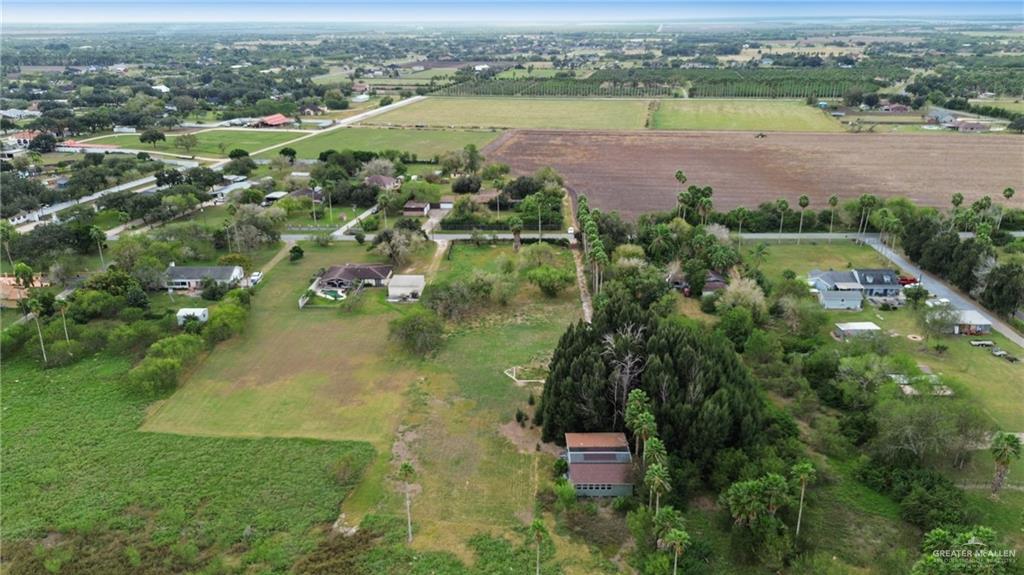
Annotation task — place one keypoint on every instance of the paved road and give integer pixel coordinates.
(941, 289)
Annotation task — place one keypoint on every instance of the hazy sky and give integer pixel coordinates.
(500, 11)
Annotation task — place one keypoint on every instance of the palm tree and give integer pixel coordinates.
(804, 473)
(804, 201)
(654, 452)
(957, 199)
(1005, 448)
(636, 403)
(741, 214)
(683, 199)
(8, 233)
(36, 308)
(61, 305)
(658, 482)
(705, 209)
(515, 225)
(679, 540)
(759, 255)
(97, 235)
(538, 531)
(1007, 193)
(406, 473)
(833, 201)
(782, 206)
(646, 427)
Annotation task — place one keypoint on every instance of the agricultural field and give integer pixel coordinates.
(753, 115)
(634, 173)
(519, 113)
(423, 143)
(214, 143)
(1013, 105)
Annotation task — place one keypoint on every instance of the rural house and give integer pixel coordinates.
(879, 282)
(406, 288)
(191, 277)
(273, 121)
(713, 282)
(836, 290)
(600, 464)
(317, 195)
(383, 182)
(415, 209)
(350, 276)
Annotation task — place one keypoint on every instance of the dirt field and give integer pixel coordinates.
(633, 172)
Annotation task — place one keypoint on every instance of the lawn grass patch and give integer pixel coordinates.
(209, 142)
(423, 143)
(75, 462)
(565, 113)
(808, 255)
(745, 114)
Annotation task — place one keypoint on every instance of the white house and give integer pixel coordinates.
(971, 322)
(405, 288)
(856, 328)
(200, 313)
(161, 88)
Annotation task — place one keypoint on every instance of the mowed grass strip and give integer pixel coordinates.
(742, 115)
(423, 143)
(209, 143)
(74, 461)
(319, 373)
(564, 113)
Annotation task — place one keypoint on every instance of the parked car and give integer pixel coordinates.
(908, 280)
(255, 278)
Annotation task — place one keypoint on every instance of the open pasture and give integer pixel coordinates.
(210, 143)
(498, 112)
(633, 173)
(423, 143)
(736, 114)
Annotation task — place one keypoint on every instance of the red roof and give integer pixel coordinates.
(76, 144)
(610, 473)
(585, 440)
(27, 134)
(276, 120)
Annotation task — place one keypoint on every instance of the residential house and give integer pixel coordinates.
(161, 88)
(845, 331)
(273, 121)
(350, 276)
(413, 208)
(383, 182)
(191, 278)
(359, 99)
(600, 464)
(879, 282)
(972, 127)
(312, 110)
(972, 322)
(23, 138)
(896, 108)
(269, 199)
(12, 292)
(836, 289)
(406, 288)
(713, 282)
(317, 195)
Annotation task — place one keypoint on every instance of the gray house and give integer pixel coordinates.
(191, 277)
(879, 283)
(836, 290)
(350, 276)
(600, 464)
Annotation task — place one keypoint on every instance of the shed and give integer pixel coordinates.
(855, 329)
(415, 209)
(200, 313)
(972, 322)
(405, 288)
(272, 197)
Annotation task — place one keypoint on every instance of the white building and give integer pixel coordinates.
(200, 313)
(855, 329)
(405, 288)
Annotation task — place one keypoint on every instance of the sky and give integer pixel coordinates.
(488, 12)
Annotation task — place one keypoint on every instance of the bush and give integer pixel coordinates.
(63, 352)
(360, 237)
(214, 290)
(370, 224)
(155, 374)
(550, 280)
(708, 303)
(131, 314)
(295, 254)
(225, 321)
(466, 185)
(182, 347)
(14, 337)
(131, 338)
(94, 338)
(420, 332)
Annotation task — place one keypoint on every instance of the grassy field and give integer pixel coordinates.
(75, 465)
(753, 115)
(424, 143)
(209, 142)
(537, 72)
(1014, 105)
(838, 255)
(520, 113)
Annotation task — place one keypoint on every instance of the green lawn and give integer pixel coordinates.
(742, 114)
(209, 142)
(1013, 105)
(809, 255)
(75, 462)
(424, 143)
(565, 113)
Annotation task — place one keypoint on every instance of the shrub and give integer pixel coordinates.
(94, 338)
(13, 338)
(131, 314)
(550, 280)
(466, 185)
(181, 347)
(155, 374)
(360, 237)
(226, 320)
(370, 224)
(63, 352)
(420, 332)
(214, 290)
(295, 254)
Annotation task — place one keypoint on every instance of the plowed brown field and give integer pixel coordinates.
(633, 172)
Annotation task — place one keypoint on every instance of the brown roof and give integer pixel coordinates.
(380, 181)
(585, 440)
(610, 473)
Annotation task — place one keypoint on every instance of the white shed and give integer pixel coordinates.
(856, 328)
(405, 287)
(200, 313)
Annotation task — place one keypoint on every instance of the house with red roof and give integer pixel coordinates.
(600, 464)
(273, 121)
